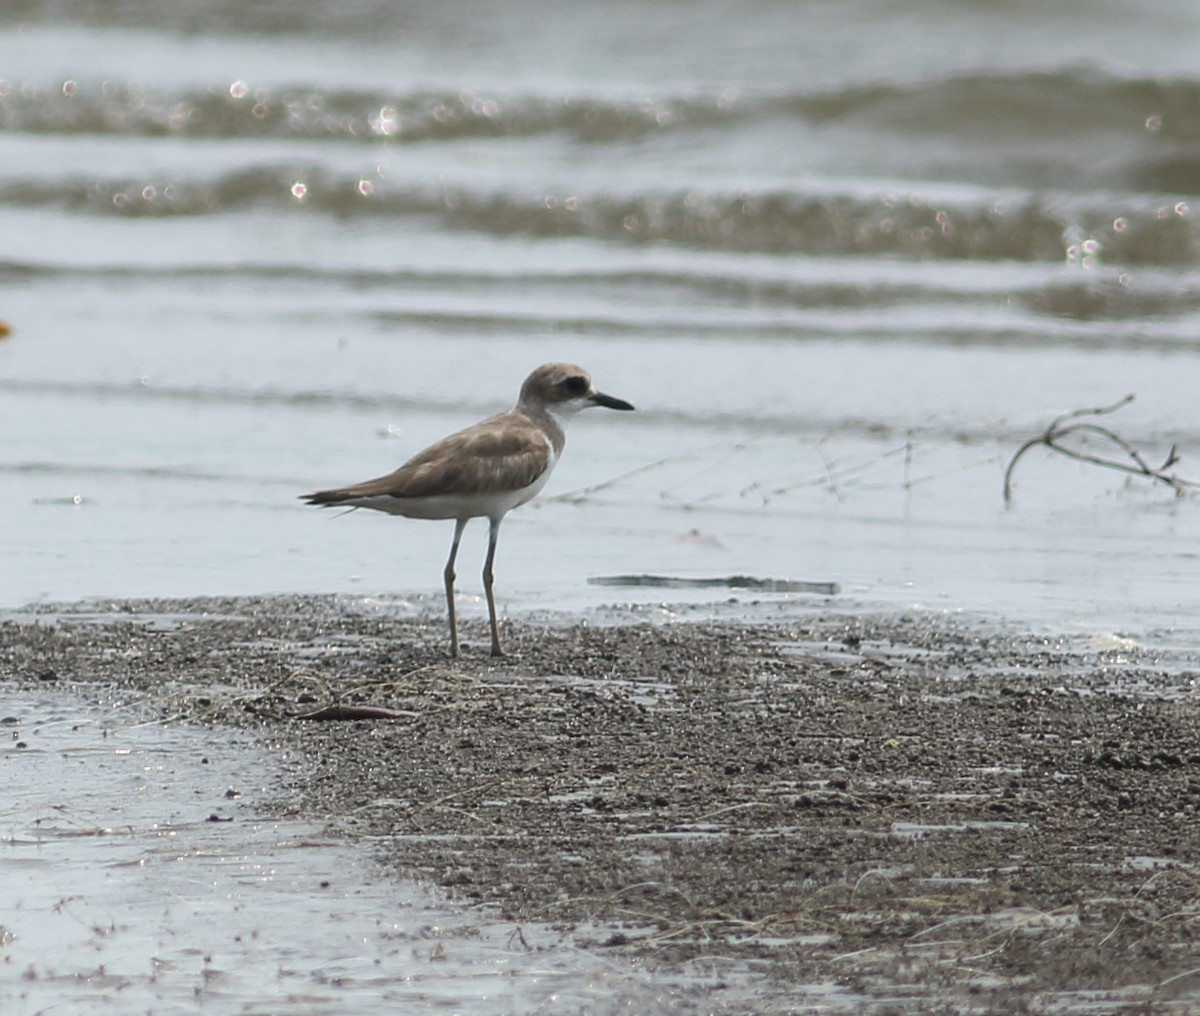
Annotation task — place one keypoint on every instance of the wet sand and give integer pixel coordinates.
(879, 814)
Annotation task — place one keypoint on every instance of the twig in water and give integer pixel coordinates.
(1068, 424)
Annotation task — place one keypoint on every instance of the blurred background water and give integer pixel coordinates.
(843, 256)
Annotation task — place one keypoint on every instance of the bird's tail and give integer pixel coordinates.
(329, 498)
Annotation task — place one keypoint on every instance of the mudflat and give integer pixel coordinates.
(878, 814)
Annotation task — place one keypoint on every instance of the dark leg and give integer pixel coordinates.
(493, 532)
(448, 575)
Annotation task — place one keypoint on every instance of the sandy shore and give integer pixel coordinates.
(881, 814)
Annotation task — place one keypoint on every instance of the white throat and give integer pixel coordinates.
(563, 412)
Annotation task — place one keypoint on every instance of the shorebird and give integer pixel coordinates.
(484, 471)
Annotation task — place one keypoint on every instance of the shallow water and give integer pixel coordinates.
(139, 872)
(249, 251)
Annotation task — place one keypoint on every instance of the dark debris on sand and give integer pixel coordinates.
(914, 809)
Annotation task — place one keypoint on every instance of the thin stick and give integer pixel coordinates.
(1062, 427)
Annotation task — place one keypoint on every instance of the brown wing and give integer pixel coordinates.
(505, 452)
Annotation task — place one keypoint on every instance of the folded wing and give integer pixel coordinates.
(483, 459)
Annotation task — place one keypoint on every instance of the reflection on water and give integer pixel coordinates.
(138, 874)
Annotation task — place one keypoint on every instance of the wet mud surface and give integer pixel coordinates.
(879, 815)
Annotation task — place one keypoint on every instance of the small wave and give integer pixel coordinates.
(1089, 229)
(770, 304)
(1007, 104)
(240, 110)
(1106, 299)
(140, 390)
(792, 424)
(989, 106)
(758, 419)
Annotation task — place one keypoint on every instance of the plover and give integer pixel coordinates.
(483, 471)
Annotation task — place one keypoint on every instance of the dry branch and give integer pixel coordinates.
(1074, 424)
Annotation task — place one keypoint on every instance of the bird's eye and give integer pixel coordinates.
(575, 384)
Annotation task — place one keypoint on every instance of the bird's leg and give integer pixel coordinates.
(493, 532)
(448, 575)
